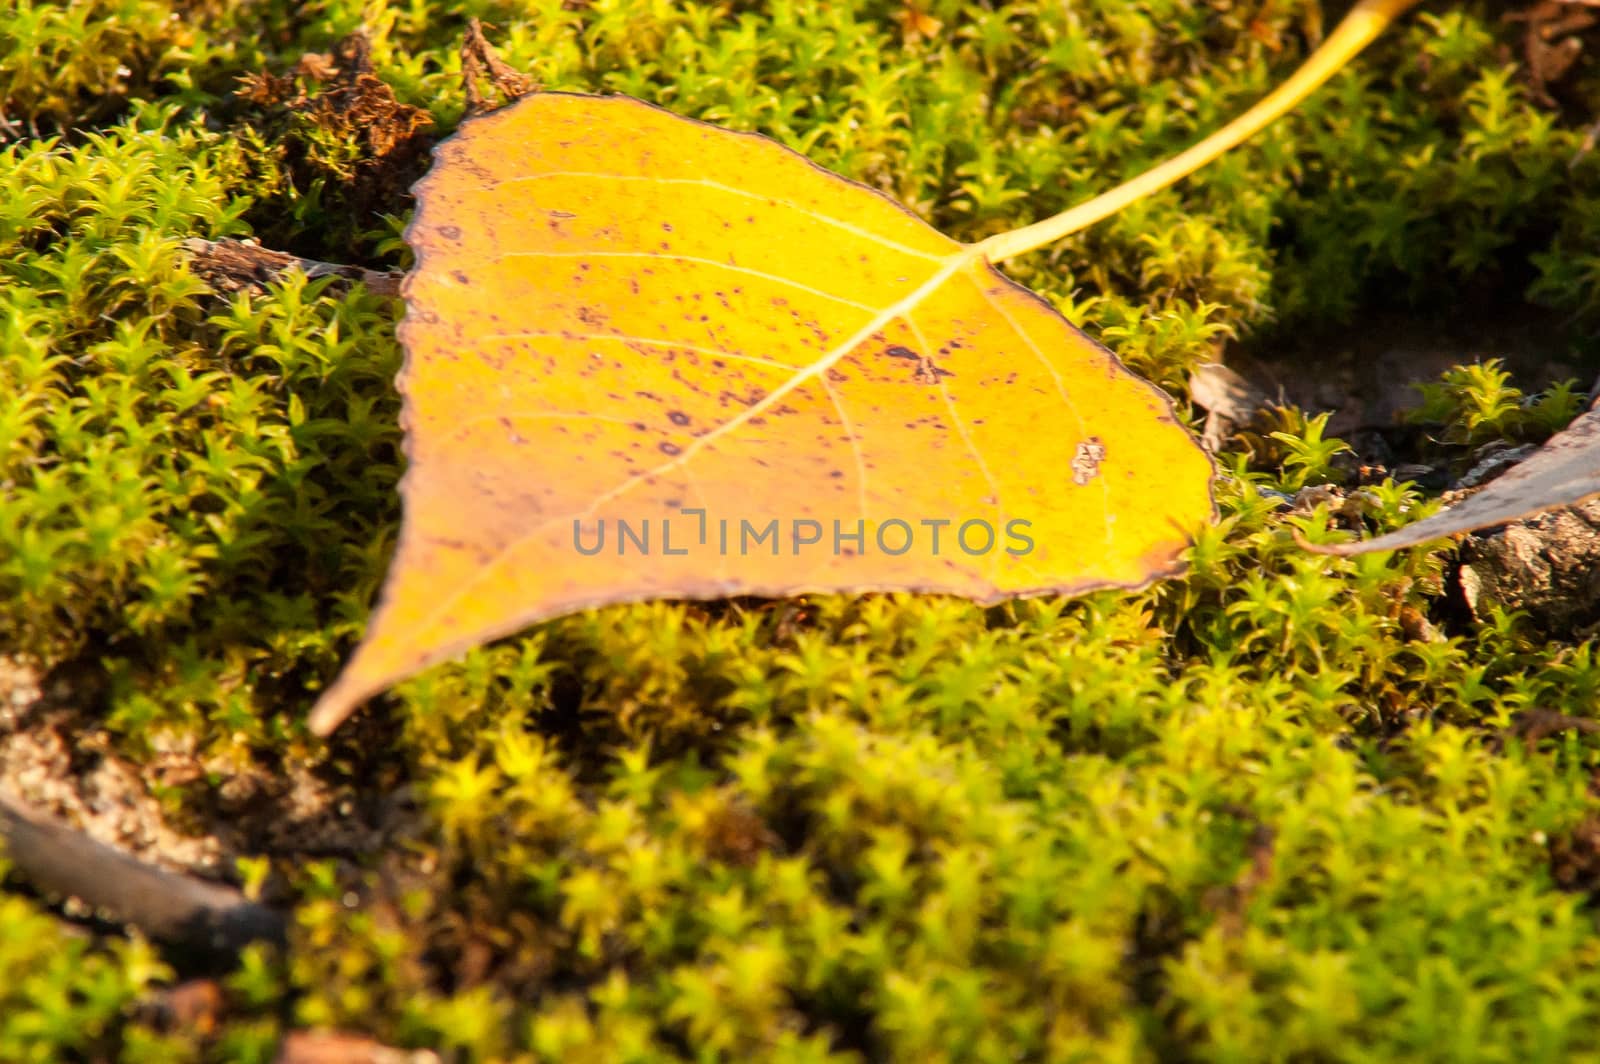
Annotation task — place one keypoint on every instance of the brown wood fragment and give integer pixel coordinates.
(1552, 45)
(231, 265)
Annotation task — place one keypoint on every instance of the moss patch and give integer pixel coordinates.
(1277, 808)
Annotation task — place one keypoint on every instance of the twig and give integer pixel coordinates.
(1536, 724)
(229, 265)
(166, 906)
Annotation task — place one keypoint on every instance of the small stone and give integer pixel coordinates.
(1548, 566)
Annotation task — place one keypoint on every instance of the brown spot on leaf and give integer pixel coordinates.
(926, 372)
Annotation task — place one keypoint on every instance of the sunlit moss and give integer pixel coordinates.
(1260, 811)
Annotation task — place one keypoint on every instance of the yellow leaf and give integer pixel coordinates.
(606, 334)
(647, 357)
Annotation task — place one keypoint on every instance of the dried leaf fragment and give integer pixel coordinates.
(1566, 470)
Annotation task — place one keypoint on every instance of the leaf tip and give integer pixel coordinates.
(332, 709)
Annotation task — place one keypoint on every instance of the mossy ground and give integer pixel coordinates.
(1265, 811)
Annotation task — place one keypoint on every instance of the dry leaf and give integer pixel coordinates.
(1229, 400)
(647, 357)
(1564, 471)
(1223, 391)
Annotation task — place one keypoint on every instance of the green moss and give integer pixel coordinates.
(58, 994)
(1261, 811)
(1474, 405)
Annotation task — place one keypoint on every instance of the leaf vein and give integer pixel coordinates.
(762, 274)
(710, 352)
(855, 445)
(899, 309)
(1061, 389)
(972, 449)
(837, 223)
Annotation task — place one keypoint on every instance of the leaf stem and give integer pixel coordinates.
(1364, 22)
